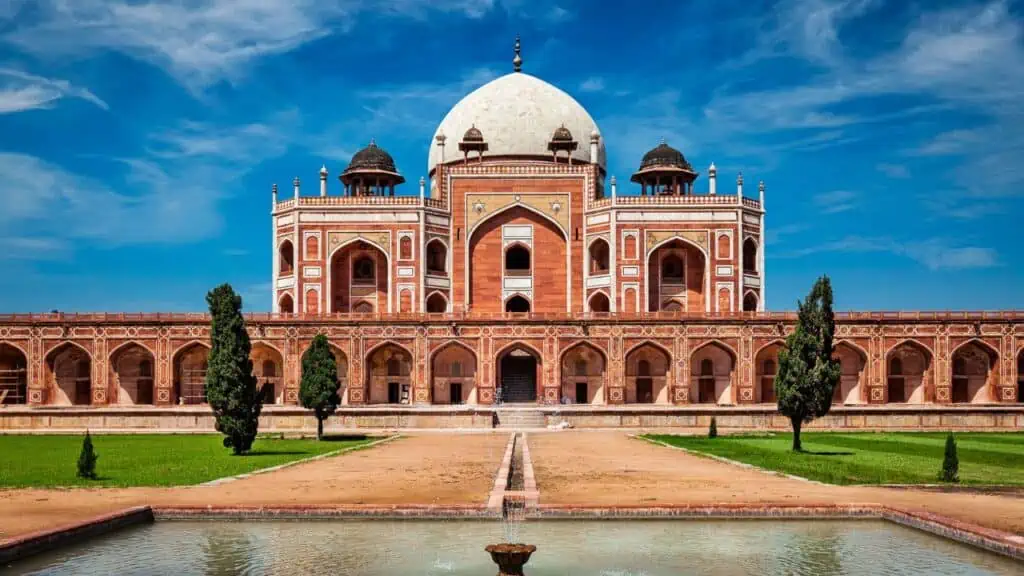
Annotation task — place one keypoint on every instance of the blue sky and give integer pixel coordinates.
(139, 139)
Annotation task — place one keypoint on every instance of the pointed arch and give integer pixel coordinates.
(69, 370)
(437, 302)
(516, 302)
(341, 361)
(268, 368)
(517, 377)
(453, 371)
(389, 377)
(751, 301)
(750, 264)
(600, 305)
(436, 251)
(286, 304)
(583, 376)
(131, 373)
(644, 384)
(972, 379)
(286, 257)
(502, 210)
(714, 385)
(908, 372)
(706, 291)
(189, 367)
(599, 254)
(13, 374)
(766, 366)
(332, 306)
(851, 388)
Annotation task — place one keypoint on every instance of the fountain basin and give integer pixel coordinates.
(567, 547)
(510, 558)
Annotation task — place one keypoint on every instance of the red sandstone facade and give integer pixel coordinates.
(523, 276)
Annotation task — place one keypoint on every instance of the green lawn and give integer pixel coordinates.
(872, 458)
(146, 460)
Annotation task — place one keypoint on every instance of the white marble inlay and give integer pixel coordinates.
(599, 219)
(311, 271)
(286, 282)
(753, 281)
(406, 271)
(644, 216)
(630, 271)
(599, 281)
(438, 282)
(518, 283)
(723, 270)
(359, 217)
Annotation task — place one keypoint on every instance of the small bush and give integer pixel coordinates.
(951, 463)
(87, 459)
(713, 429)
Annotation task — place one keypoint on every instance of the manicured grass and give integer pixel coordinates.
(872, 458)
(146, 460)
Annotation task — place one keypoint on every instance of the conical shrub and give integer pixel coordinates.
(950, 463)
(87, 459)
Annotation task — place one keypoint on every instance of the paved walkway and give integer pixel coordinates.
(612, 469)
(430, 469)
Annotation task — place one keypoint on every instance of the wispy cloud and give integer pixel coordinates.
(592, 84)
(21, 91)
(836, 201)
(932, 253)
(205, 41)
(893, 170)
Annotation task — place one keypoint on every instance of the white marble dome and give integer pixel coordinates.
(517, 115)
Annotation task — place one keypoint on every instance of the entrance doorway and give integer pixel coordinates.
(393, 392)
(581, 393)
(455, 393)
(644, 391)
(518, 377)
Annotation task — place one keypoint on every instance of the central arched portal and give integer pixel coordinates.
(518, 371)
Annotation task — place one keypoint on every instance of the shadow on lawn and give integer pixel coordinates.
(278, 453)
(813, 453)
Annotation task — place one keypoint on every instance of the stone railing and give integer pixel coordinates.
(687, 200)
(679, 316)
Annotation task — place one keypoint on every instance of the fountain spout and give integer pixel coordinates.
(510, 558)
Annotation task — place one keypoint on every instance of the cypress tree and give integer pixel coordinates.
(231, 386)
(87, 459)
(808, 373)
(319, 388)
(951, 462)
(713, 429)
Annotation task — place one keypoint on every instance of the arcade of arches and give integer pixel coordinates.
(581, 373)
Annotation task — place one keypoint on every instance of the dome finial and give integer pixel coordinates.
(517, 61)
(662, 141)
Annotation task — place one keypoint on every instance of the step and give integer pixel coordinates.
(521, 418)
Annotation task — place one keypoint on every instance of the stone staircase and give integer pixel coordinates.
(520, 418)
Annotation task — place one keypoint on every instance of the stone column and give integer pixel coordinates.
(37, 391)
(164, 374)
(875, 380)
(552, 390)
(421, 370)
(99, 375)
(357, 383)
(615, 383)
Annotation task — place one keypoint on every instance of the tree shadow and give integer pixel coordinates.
(276, 453)
(813, 453)
(343, 437)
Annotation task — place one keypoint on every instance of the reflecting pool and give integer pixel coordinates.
(619, 548)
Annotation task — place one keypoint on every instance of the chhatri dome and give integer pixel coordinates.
(517, 115)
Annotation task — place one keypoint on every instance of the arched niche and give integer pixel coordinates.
(189, 373)
(70, 369)
(341, 363)
(599, 303)
(437, 258)
(518, 260)
(750, 302)
(1020, 376)
(599, 257)
(286, 258)
(359, 281)
(268, 367)
(766, 366)
(437, 303)
(389, 375)
(852, 360)
(517, 304)
(131, 375)
(453, 375)
(285, 304)
(908, 373)
(750, 256)
(974, 374)
(712, 372)
(583, 375)
(13, 375)
(675, 274)
(648, 369)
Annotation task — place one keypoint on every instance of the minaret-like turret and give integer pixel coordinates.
(323, 181)
(517, 60)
